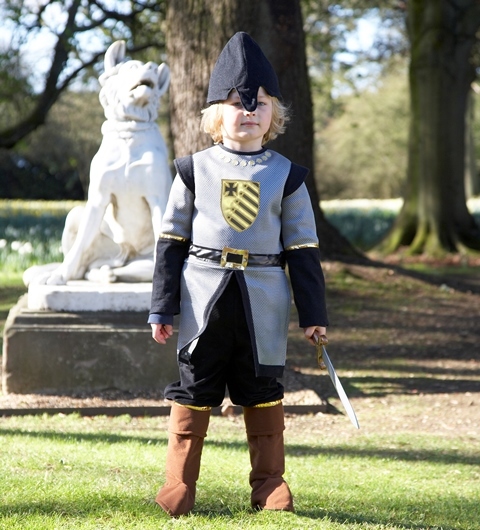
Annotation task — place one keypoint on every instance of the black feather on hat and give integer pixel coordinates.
(242, 65)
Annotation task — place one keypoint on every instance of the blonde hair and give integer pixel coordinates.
(212, 121)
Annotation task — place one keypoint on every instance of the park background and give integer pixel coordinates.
(385, 100)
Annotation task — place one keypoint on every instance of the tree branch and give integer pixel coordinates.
(53, 87)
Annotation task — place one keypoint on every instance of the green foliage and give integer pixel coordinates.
(30, 233)
(54, 161)
(73, 136)
(364, 227)
(15, 89)
(22, 178)
(473, 120)
(360, 97)
(11, 289)
(363, 153)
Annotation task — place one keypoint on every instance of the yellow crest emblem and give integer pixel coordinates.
(240, 203)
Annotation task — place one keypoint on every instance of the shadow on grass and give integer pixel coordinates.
(427, 370)
(75, 437)
(383, 386)
(293, 450)
(83, 507)
(343, 517)
(407, 455)
(464, 283)
(377, 386)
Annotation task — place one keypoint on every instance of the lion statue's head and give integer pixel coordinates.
(131, 90)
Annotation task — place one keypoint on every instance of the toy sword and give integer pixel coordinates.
(325, 362)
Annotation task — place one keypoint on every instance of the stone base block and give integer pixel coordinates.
(80, 295)
(65, 352)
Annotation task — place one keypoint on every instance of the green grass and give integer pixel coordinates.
(30, 232)
(364, 222)
(63, 472)
(11, 288)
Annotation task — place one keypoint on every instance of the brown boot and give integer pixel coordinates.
(187, 429)
(265, 426)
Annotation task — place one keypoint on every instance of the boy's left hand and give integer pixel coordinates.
(312, 333)
(161, 332)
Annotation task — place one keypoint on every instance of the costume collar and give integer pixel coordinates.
(242, 153)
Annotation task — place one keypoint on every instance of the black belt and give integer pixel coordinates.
(234, 258)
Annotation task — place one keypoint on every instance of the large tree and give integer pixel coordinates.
(434, 218)
(197, 30)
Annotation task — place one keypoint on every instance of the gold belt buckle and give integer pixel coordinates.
(234, 258)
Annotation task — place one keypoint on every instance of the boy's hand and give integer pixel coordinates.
(161, 332)
(314, 333)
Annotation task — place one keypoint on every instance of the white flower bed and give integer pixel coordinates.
(392, 205)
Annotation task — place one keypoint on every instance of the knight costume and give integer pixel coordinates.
(233, 222)
(244, 214)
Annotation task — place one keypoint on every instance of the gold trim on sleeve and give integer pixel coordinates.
(306, 245)
(175, 238)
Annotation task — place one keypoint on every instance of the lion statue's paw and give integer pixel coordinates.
(103, 274)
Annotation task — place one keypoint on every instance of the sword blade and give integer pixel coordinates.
(339, 388)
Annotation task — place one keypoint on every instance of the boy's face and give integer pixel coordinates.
(243, 130)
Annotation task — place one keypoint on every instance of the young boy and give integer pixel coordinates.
(236, 213)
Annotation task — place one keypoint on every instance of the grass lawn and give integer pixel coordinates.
(103, 473)
(11, 288)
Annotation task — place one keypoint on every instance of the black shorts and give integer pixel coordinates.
(223, 360)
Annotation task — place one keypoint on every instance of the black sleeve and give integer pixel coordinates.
(295, 179)
(170, 257)
(184, 167)
(308, 285)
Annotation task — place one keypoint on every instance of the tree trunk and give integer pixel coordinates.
(435, 218)
(197, 31)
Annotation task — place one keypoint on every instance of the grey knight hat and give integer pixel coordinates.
(242, 65)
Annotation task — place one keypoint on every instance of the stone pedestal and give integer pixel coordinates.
(52, 351)
(80, 295)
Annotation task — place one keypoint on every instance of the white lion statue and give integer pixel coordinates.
(112, 238)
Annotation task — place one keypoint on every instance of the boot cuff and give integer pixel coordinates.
(265, 420)
(186, 421)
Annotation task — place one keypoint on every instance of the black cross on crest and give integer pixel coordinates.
(230, 189)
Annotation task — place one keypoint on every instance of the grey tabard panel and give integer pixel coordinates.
(223, 178)
(269, 298)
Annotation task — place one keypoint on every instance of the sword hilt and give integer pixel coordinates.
(320, 340)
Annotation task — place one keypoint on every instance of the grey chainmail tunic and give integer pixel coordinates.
(238, 201)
